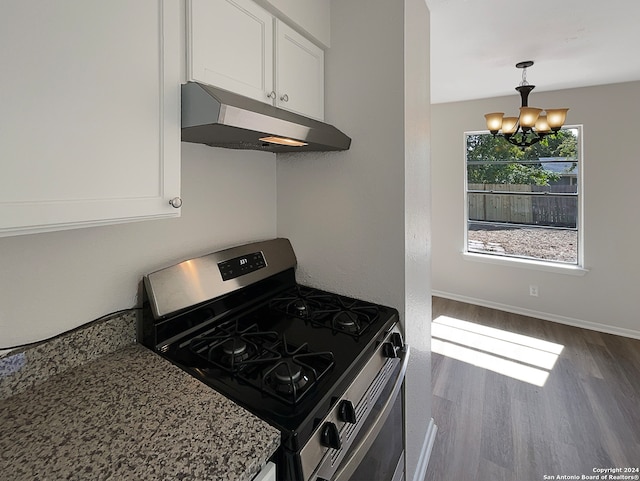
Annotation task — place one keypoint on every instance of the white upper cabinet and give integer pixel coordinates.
(90, 124)
(231, 44)
(299, 73)
(313, 17)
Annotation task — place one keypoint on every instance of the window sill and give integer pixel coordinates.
(568, 269)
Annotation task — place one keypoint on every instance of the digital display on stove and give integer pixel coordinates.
(239, 266)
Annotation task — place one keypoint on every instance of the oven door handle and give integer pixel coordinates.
(358, 452)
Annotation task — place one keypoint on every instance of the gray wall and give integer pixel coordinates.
(53, 282)
(606, 297)
(359, 219)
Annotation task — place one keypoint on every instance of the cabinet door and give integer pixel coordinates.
(299, 73)
(90, 124)
(231, 46)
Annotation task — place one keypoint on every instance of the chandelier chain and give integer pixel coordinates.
(524, 77)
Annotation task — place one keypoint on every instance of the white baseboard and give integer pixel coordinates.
(425, 452)
(593, 326)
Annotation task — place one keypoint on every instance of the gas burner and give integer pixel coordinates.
(292, 376)
(347, 321)
(288, 377)
(301, 301)
(300, 307)
(349, 316)
(231, 347)
(235, 350)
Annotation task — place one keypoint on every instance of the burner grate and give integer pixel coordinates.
(290, 378)
(349, 316)
(232, 348)
(323, 309)
(263, 359)
(301, 301)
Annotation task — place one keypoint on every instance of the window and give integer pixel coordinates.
(524, 204)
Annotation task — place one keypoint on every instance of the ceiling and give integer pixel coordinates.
(475, 45)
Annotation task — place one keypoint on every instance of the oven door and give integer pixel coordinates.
(377, 451)
(379, 456)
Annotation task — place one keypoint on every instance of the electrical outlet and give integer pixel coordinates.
(533, 290)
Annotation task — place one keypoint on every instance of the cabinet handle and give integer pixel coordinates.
(176, 202)
(271, 95)
(284, 98)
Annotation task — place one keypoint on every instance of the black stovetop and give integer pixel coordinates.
(285, 358)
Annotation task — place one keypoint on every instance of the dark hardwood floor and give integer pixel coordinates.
(493, 427)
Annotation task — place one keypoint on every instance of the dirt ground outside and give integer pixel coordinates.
(538, 243)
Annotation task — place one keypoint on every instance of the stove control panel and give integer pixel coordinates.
(239, 266)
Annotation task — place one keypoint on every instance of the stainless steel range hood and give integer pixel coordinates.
(219, 118)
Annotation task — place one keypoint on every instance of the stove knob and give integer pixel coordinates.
(396, 340)
(330, 437)
(389, 350)
(347, 412)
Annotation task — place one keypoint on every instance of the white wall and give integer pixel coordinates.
(606, 298)
(53, 282)
(358, 220)
(417, 227)
(343, 211)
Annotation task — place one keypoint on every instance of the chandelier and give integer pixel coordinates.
(532, 125)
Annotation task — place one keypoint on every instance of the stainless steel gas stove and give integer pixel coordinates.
(324, 369)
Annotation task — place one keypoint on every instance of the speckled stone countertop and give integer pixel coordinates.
(129, 415)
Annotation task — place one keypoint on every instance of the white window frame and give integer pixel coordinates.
(577, 269)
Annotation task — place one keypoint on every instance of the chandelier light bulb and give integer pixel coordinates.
(556, 118)
(542, 125)
(494, 121)
(509, 125)
(528, 116)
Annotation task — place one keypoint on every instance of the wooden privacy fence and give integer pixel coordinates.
(502, 203)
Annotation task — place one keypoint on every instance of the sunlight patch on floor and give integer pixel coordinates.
(521, 357)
